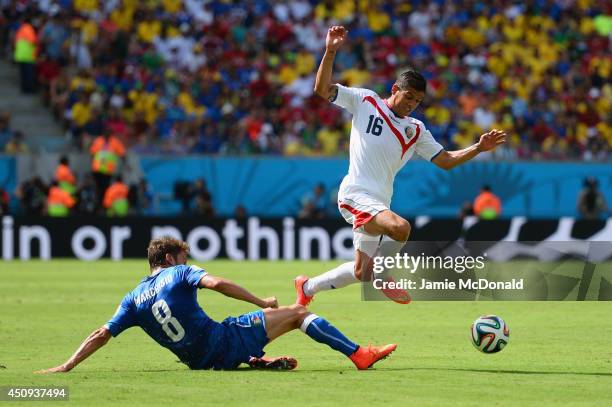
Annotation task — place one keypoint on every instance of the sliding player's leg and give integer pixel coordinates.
(284, 319)
(276, 363)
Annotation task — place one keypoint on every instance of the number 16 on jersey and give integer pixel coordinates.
(374, 125)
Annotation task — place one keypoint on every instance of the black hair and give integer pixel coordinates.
(411, 78)
(591, 182)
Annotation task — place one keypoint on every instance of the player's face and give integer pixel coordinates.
(405, 101)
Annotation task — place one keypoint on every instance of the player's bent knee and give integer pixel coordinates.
(299, 311)
(362, 270)
(357, 270)
(405, 229)
(400, 231)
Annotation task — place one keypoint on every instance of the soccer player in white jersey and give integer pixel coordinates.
(383, 138)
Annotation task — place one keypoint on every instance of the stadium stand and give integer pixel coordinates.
(222, 77)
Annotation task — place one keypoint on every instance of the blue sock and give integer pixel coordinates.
(323, 332)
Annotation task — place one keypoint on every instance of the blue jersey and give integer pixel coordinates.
(165, 306)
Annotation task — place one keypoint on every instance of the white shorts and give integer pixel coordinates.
(359, 209)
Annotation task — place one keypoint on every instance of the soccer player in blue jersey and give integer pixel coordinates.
(165, 306)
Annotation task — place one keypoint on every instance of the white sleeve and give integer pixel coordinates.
(427, 146)
(349, 98)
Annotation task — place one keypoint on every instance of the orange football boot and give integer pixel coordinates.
(396, 294)
(302, 298)
(364, 358)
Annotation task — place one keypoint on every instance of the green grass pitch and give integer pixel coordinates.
(560, 353)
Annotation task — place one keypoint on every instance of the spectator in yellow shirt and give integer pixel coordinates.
(83, 81)
(287, 74)
(81, 111)
(304, 63)
(148, 30)
(172, 6)
(80, 115)
(123, 17)
(341, 10)
(329, 138)
(185, 101)
(472, 36)
(90, 31)
(378, 20)
(356, 77)
(16, 145)
(86, 6)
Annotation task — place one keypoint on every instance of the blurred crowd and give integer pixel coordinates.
(100, 190)
(236, 77)
(38, 198)
(11, 141)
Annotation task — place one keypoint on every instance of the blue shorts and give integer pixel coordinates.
(240, 338)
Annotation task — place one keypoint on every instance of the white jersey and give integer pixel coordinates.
(380, 145)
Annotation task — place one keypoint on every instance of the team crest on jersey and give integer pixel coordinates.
(409, 131)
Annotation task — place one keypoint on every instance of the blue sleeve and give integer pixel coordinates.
(192, 275)
(123, 319)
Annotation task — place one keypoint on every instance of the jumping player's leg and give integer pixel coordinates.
(345, 274)
(356, 210)
(389, 224)
(284, 319)
(337, 277)
(395, 231)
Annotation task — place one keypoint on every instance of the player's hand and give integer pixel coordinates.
(270, 302)
(491, 139)
(336, 36)
(57, 369)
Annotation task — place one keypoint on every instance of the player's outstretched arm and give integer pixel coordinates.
(233, 290)
(92, 343)
(488, 141)
(336, 36)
